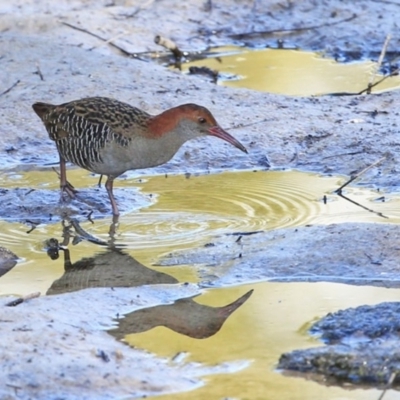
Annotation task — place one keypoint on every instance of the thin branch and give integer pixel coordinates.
(10, 88)
(239, 126)
(368, 89)
(360, 205)
(343, 154)
(378, 64)
(280, 31)
(20, 300)
(386, 2)
(388, 385)
(122, 50)
(172, 47)
(109, 41)
(354, 177)
(39, 72)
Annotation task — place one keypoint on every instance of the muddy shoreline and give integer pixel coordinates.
(44, 59)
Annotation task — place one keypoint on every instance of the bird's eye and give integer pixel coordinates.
(202, 120)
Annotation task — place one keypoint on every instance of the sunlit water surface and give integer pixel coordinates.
(190, 212)
(292, 72)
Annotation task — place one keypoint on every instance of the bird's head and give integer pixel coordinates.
(190, 121)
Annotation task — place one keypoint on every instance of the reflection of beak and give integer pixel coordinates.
(218, 132)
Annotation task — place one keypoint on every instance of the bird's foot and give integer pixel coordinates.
(69, 190)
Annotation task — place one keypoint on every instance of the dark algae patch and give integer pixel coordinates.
(362, 348)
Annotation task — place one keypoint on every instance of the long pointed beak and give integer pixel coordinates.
(218, 132)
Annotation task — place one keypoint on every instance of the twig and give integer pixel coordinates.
(280, 31)
(172, 47)
(109, 41)
(386, 2)
(239, 126)
(34, 225)
(368, 88)
(360, 205)
(378, 64)
(339, 190)
(89, 217)
(388, 385)
(380, 59)
(343, 154)
(122, 50)
(10, 88)
(22, 299)
(39, 72)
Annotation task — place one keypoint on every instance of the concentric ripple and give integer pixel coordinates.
(188, 210)
(183, 212)
(191, 210)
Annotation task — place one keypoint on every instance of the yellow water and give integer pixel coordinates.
(274, 320)
(291, 72)
(190, 212)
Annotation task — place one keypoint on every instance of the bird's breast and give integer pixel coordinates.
(140, 153)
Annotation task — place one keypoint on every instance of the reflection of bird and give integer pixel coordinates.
(112, 268)
(115, 268)
(109, 137)
(185, 316)
(7, 260)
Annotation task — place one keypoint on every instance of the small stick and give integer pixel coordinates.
(343, 154)
(360, 205)
(339, 190)
(33, 225)
(89, 217)
(22, 299)
(10, 88)
(39, 72)
(109, 41)
(379, 63)
(368, 88)
(239, 126)
(171, 46)
(287, 31)
(388, 385)
(123, 51)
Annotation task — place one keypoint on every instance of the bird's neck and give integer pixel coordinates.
(163, 124)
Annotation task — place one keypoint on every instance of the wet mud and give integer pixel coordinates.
(361, 348)
(86, 48)
(352, 253)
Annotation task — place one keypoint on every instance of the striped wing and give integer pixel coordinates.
(82, 128)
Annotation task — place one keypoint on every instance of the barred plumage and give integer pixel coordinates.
(82, 128)
(109, 137)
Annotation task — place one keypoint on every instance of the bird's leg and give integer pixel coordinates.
(64, 184)
(99, 184)
(113, 229)
(109, 188)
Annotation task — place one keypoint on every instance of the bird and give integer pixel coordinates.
(109, 137)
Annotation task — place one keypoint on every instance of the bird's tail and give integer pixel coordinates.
(41, 109)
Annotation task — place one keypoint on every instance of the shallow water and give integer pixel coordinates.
(186, 212)
(274, 320)
(292, 72)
